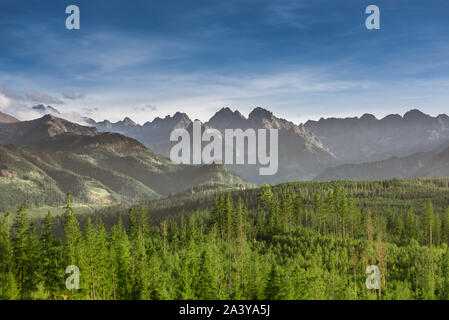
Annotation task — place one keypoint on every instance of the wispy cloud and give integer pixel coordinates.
(72, 95)
(41, 97)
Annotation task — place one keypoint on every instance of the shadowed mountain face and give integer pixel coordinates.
(433, 164)
(355, 140)
(301, 155)
(98, 168)
(6, 118)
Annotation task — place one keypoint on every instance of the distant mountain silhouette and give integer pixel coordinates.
(355, 140)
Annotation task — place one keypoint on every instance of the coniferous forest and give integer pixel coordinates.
(304, 240)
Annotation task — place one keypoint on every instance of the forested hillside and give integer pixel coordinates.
(293, 241)
(98, 170)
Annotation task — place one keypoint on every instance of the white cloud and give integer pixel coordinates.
(5, 102)
(16, 108)
(20, 106)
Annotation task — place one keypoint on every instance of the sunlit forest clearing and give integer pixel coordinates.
(302, 240)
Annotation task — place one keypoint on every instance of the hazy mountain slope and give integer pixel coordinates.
(6, 118)
(301, 154)
(355, 140)
(422, 165)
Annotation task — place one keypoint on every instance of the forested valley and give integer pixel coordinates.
(303, 240)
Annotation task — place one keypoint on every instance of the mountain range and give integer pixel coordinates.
(356, 140)
(43, 159)
(109, 162)
(301, 155)
(321, 149)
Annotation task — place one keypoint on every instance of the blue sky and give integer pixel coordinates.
(301, 59)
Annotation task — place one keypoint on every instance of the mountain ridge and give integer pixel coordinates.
(373, 139)
(307, 155)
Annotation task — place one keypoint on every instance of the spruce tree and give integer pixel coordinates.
(102, 262)
(8, 284)
(206, 286)
(90, 258)
(50, 260)
(121, 263)
(72, 239)
(21, 253)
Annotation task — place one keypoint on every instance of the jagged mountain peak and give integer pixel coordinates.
(226, 112)
(128, 122)
(179, 119)
(180, 116)
(225, 118)
(258, 114)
